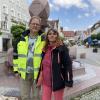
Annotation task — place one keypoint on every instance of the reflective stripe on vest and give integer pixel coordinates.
(23, 56)
(37, 55)
(15, 65)
(15, 54)
(24, 70)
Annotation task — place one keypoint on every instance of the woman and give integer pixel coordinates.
(56, 67)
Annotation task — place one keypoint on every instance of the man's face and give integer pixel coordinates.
(34, 25)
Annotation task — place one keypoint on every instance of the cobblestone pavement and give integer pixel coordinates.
(94, 94)
(9, 86)
(9, 91)
(7, 98)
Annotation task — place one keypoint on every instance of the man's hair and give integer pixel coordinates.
(35, 17)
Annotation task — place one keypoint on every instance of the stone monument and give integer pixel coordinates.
(40, 8)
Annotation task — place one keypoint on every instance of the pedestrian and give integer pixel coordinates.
(56, 68)
(10, 58)
(9, 61)
(27, 59)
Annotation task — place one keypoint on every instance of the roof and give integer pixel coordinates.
(52, 23)
(95, 26)
(69, 33)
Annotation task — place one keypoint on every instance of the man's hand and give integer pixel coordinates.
(17, 76)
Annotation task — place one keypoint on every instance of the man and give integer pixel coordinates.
(27, 59)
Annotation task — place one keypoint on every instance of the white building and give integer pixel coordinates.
(11, 12)
(95, 29)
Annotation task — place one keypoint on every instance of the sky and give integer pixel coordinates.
(74, 14)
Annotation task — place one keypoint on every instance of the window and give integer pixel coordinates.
(96, 26)
(5, 9)
(5, 44)
(19, 15)
(12, 12)
(4, 25)
(12, 0)
(18, 2)
(4, 21)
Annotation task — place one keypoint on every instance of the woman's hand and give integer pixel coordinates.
(39, 83)
(69, 83)
(40, 80)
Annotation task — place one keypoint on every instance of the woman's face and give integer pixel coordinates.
(52, 36)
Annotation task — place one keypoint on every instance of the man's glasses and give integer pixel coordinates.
(35, 24)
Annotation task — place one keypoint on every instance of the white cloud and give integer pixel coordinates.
(29, 1)
(79, 16)
(66, 28)
(86, 14)
(70, 3)
(53, 7)
(50, 19)
(95, 4)
(89, 26)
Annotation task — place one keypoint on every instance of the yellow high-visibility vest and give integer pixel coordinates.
(20, 63)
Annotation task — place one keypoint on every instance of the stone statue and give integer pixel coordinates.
(40, 8)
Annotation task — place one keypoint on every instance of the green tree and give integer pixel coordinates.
(17, 30)
(0, 33)
(98, 36)
(85, 40)
(94, 36)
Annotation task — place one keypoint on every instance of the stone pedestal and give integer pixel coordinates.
(78, 69)
(73, 52)
(83, 55)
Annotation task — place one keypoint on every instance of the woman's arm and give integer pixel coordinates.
(67, 63)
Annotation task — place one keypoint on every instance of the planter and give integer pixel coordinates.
(83, 55)
(95, 50)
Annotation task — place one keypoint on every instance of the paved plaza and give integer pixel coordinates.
(91, 58)
(9, 86)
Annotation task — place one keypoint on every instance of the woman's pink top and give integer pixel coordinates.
(47, 77)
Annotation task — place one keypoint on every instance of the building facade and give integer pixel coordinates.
(95, 28)
(52, 24)
(11, 12)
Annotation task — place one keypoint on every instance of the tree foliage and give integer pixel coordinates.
(0, 33)
(98, 36)
(94, 36)
(17, 30)
(85, 40)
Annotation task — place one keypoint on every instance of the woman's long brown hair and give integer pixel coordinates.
(58, 40)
